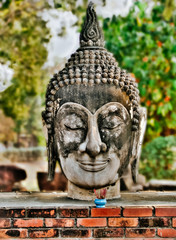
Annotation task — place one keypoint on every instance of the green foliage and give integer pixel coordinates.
(157, 158)
(170, 6)
(146, 46)
(22, 37)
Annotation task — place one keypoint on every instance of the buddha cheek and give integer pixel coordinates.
(116, 141)
(69, 141)
(106, 137)
(119, 141)
(112, 139)
(122, 138)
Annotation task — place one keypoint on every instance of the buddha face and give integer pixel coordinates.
(93, 138)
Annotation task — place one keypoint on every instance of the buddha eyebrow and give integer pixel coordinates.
(75, 107)
(114, 110)
(80, 114)
(111, 109)
(74, 110)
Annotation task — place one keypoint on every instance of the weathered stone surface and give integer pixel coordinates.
(93, 118)
(157, 184)
(84, 194)
(45, 204)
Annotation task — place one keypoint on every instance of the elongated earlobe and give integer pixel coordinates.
(137, 144)
(51, 158)
(50, 149)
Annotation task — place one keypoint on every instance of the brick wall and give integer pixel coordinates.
(89, 223)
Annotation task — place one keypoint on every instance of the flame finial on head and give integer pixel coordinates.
(91, 34)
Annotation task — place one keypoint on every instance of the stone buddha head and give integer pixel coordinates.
(93, 118)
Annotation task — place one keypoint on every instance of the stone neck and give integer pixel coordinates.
(75, 192)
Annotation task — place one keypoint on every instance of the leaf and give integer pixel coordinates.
(139, 22)
(156, 95)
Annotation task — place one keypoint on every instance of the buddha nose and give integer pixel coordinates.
(93, 146)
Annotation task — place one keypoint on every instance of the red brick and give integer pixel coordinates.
(18, 213)
(60, 222)
(154, 222)
(137, 239)
(108, 232)
(140, 232)
(11, 233)
(105, 212)
(91, 222)
(104, 239)
(110, 239)
(123, 222)
(167, 232)
(137, 211)
(5, 213)
(165, 211)
(21, 223)
(174, 222)
(41, 213)
(77, 212)
(76, 233)
(76, 239)
(43, 233)
(5, 223)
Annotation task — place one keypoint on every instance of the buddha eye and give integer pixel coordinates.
(111, 125)
(110, 122)
(74, 128)
(73, 122)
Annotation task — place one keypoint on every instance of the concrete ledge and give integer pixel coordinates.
(55, 199)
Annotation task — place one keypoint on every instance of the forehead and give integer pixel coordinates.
(92, 97)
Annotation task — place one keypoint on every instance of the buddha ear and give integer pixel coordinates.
(45, 129)
(137, 143)
(51, 152)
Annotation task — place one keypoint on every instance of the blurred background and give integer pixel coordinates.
(36, 39)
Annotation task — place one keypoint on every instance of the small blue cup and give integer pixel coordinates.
(100, 203)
